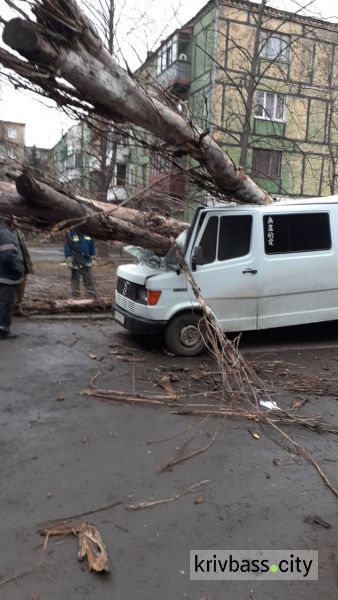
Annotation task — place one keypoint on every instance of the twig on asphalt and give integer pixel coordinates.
(306, 454)
(79, 515)
(319, 520)
(128, 398)
(93, 379)
(173, 462)
(151, 503)
(169, 439)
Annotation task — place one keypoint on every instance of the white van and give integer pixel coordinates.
(256, 266)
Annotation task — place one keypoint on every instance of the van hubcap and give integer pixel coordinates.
(190, 336)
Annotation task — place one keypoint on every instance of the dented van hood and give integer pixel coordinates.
(137, 273)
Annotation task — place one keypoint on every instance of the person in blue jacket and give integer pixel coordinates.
(12, 273)
(80, 254)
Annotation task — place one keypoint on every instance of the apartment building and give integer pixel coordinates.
(12, 143)
(81, 159)
(264, 82)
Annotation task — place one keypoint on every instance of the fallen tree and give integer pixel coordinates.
(66, 59)
(44, 206)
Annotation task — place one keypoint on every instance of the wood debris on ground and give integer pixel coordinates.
(297, 378)
(151, 503)
(50, 306)
(165, 383)
(318, 520)
(91, 546)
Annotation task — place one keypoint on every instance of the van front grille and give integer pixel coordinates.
(125, 303)
(127, 289)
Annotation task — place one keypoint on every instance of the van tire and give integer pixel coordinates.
(183, 336)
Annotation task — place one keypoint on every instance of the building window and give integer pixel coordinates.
(12, 133)
(131, 176)
(78, 160)
(270, 106)
(144, 175)
(266, 163)
(296, 233)
(167, 54)
(159, 164)
(11, 153)
(121, 174)
(274, 46)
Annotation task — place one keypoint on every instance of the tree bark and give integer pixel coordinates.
(113, 93)
(48, 207)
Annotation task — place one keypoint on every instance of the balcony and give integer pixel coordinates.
(176, 77)
(174, 62)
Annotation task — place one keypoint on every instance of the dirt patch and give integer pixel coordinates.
(51, 280)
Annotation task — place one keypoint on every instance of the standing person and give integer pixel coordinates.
(28, 266)
(80, 255)
(12, 273)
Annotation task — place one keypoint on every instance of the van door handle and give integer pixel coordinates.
(250, 272)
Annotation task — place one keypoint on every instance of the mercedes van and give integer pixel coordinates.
(257, 267)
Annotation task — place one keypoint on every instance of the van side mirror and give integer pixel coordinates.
(197, 257)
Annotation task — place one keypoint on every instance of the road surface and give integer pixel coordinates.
(63, 453)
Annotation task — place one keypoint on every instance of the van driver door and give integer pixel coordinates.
(228, 277)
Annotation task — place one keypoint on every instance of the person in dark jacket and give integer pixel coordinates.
(80, 254)
(28, 266)
(12, 272)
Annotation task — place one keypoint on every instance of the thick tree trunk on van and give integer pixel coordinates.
(50, 208)
(69, 48)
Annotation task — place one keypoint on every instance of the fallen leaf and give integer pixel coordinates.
(60, 397)
(255, 435)
(298, 403)
(92, 548)
(199, 500)
(164, 383)
(92, 356)
(91, 545)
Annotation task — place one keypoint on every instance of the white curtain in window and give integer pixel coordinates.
(269, 104)
(174, 54)
(260, 101)
(279, 111)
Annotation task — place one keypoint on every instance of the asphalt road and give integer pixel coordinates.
(63, 453)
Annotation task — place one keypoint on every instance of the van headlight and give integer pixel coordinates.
(142, 296)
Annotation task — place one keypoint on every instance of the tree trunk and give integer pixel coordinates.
(251, 89)
(48, 207)
(114, 94)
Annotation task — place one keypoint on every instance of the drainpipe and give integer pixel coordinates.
(214, 66)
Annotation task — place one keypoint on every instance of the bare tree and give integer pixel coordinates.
(269, 68)
(96, 83)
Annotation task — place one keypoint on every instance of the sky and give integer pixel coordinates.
(142, 26)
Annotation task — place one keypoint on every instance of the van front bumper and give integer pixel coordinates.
(137, 325)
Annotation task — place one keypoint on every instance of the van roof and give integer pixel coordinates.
(280, 204)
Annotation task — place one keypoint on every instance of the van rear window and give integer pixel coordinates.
(296, 232)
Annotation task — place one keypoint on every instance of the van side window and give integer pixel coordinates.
(296, 233)
(209, 240)
(234, 236)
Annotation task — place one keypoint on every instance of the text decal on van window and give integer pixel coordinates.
(297, 232)
(270, 233)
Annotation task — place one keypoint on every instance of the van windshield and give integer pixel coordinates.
(151, 259)
(170, 258)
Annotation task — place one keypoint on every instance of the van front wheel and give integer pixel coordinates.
(183, 335)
